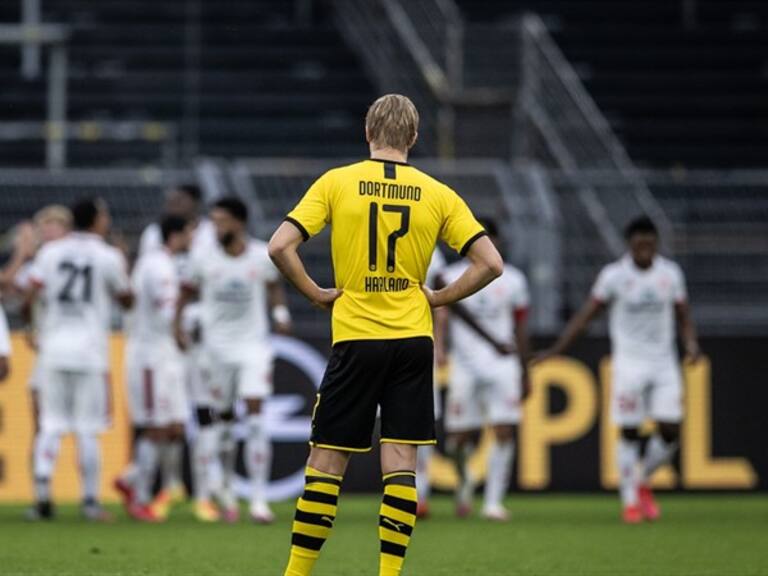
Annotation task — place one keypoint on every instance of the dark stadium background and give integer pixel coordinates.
(562, 118)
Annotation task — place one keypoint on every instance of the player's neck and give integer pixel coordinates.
(389, 154)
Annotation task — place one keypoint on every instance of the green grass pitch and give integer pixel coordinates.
(550, 535)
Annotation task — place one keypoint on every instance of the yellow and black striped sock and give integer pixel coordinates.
(315, 513)
(396, 520)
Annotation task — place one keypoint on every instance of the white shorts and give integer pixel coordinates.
(226, 382)
(491, 397)
(643, 389)
(156, 390)
(74, 401)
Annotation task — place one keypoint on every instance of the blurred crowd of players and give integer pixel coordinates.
(202, 298)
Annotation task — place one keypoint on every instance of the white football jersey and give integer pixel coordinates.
(155, 284)
(493, 308)
(78, 277)
(642, 315)
(233, 299)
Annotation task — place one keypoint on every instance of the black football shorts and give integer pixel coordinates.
(363, 375)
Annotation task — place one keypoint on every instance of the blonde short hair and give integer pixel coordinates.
(54, 213)
(392, 121)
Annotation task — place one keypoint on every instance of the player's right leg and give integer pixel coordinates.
(140, 391)
(666, 409)
(55, 420)
(147, 458)
(207, 472)
(463, 421)
(342, 423)
(629, 411)
(503, 408)
(92, 414)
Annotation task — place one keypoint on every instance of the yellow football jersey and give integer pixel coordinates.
(385, 218)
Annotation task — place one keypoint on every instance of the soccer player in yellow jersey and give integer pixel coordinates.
(385, 218)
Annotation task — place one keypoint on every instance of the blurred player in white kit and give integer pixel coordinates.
(77, 277)
(488, 379)
(645, 293)
(50, 223)
(155, 372)
(235, 281)
(182, 201)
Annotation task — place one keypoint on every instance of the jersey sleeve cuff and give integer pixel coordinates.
(298, 225)
(468, 243)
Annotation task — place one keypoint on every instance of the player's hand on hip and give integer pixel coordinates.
(431, 295)
(326, 297)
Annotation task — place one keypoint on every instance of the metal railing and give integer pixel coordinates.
(554, 103)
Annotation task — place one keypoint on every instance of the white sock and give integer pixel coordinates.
(629, 455)
(499, 472)
(46, 452)
(227, 462)
(423, 486)
(657, 453)
(206, 465)
(90, 465)
(258, 457)
(146, 460)
(172, 464)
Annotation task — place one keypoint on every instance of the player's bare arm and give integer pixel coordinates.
(687, 331)
(523, 345)
(485, 265)
(591, 309)
(187, 294)
(442, 322)
(278, 305)
(284, 252)
(464, 315)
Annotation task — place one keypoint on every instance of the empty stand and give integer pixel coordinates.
(678, 88)
(238, 77)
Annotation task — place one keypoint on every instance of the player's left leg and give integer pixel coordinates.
(254, 386)
(666, 410)
(629, 410)
(500, 459)
(503, 409)
(397, 515)
(55, 420)
(407, 421)
(92, 415)
(258, 460)
(463, 421)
